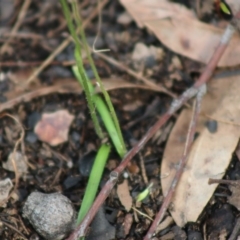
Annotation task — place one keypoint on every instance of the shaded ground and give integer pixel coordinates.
(65, 168)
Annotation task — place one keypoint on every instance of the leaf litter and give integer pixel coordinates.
(41, 159)
(179, 29)
(124, 195)
(210, 155)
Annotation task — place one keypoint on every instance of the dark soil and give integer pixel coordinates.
(65, 168)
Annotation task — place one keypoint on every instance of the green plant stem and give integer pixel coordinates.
(104, 113)
(94, 180)
(105, 93)
(85, 85)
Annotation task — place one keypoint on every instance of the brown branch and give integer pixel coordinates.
(205, 76)
(202, 80)
(222, 181)
(181, 166)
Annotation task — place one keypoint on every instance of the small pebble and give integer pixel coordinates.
(5, 187)
(33, 118)
(101, 229)
(86, 162)
(124, 18)
(52, 215)
(20, 163)
(31, 137)
(71, 181)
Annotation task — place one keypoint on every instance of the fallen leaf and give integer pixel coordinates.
(68, 85)
(165, 224)
(124, 195)
(178, 28)
(211, 152)
(128, 220)
(53, 127)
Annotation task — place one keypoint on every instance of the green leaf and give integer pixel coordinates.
(94, 180)
(141, 196)
(225, 8)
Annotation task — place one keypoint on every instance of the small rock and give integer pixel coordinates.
(20, 162)
(52, 215)
(71, 181)
(33, 118)
(101, 229)
(5, 187)
(86, 162)
(176, 63)
(140, 52)
(31, 137)
(53, 127)
(150, 54)
(124, 18)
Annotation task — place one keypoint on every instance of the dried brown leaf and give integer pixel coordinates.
(180, 30)
(124, 195)
(211, 152)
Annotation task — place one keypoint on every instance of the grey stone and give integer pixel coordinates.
(52, 215)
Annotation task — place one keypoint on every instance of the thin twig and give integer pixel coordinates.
(35, 63)
(176, 105)
(143, 169)
(13, 228)
(17, 25)
(181, 166)
(222, 181)
(134, 74)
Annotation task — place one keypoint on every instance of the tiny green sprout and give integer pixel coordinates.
(144, 193)
(225, 8)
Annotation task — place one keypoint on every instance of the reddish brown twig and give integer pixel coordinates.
(222, 181)
(181, 166)
(177, 103)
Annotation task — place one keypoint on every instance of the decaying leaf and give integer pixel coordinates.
(53, 127)
(180, 30)
(124, 195)
(211, 152)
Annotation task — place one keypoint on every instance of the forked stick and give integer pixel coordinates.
(182, 163)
